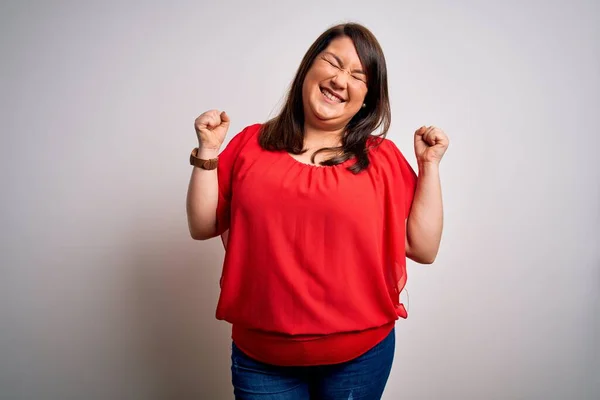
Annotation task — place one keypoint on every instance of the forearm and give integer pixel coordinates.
(202, 199)
(425, 221)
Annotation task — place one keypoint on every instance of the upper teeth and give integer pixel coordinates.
(331, 96)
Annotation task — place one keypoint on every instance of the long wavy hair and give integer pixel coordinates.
(286, 130)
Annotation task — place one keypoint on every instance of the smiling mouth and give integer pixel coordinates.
(332, 97)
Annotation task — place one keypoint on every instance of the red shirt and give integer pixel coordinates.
(315, 258)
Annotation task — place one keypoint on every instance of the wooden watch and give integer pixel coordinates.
(200, 163)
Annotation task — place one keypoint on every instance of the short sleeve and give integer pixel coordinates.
(409, 177)
(226, 175)
(400, 182)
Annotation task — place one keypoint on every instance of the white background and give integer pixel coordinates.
(103, 294)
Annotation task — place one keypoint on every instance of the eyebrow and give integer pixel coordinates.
(358, 71)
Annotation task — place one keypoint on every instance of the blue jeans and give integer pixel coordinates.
(362, 378)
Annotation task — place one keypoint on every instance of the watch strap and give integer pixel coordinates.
(200, 163)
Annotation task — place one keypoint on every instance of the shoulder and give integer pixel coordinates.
(248, 132)
(387, 159)
(244, 137)
(383, 150)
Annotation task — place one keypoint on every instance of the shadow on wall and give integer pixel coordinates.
(174, 291)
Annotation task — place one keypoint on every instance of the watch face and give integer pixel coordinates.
(210, 164)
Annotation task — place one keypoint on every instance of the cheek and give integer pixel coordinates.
(358, 96)
(306, 90)
(308, 85)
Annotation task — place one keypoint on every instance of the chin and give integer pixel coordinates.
(325, 111)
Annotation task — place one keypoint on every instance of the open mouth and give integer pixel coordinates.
(331, 97)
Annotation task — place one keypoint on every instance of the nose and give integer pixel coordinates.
(340, 79)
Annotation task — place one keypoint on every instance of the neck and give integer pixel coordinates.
(315, 137)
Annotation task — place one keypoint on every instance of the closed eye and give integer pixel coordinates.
(359, 78)
(332, 63)
(357, 75)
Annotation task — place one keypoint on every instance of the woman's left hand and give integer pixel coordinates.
(430, 144)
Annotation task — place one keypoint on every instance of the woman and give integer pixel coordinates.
(318, 215)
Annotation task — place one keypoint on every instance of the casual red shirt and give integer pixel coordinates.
(315, 257)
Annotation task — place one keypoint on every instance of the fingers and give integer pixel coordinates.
(429, 134)
(224, 118)
(421, 130)
(424, 133)
(210, 119)
(214, 119)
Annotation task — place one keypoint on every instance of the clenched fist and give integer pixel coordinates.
(211, 129)
(430, 144)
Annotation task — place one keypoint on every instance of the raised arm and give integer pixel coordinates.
(203, 190)
(425, 221)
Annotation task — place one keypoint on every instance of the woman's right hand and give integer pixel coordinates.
(211, 129)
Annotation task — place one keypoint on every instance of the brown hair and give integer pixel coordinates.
(286, 131)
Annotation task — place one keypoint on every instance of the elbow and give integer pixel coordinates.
(200, 230)
(197, 234)
(426, 260)
(424, 257)
(421, 253)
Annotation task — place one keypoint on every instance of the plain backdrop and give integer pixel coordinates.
(103, 294)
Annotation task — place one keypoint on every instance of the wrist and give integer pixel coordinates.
(428, 167)
(207, 153)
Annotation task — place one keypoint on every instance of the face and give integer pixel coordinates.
(335, 86)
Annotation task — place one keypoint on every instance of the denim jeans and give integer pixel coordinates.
(362, 378)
